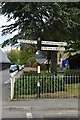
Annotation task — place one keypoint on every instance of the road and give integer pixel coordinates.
(4, 88)
(51, 108)
(42, 109)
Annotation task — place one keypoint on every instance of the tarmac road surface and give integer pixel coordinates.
(46, 108)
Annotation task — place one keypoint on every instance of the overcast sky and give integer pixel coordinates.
(3, 21)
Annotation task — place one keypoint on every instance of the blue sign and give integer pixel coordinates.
(65, 63)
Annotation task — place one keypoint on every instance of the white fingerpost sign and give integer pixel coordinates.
(53, 48)
(42, 42)
(53, 43)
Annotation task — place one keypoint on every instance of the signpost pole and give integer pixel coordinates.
(38, 84)
(39, 48)
(38, 68)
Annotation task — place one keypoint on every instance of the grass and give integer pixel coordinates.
(23, 92)
(72, 91)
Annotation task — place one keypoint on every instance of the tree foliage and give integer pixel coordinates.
(50, 21)
(13, 56)
(21, 56)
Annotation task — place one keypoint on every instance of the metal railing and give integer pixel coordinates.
(45, 87)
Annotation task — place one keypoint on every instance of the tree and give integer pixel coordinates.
(21, 56)
(50, 21)
(26, 53)
(13, 56)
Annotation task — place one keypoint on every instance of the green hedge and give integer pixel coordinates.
(27, 84)
(43, 67)
(72, 72)
(72, 76)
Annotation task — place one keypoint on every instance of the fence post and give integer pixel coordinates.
(12, 87)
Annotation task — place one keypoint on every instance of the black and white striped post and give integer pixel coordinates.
(38, 89)
(38, 83)
(39, 48)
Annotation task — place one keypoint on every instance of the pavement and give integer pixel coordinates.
(37, 108)
(46, 108)
(43, 104)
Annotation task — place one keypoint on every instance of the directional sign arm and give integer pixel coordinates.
(42, 42)
(53, 48)
(27, 41)
(53, 43)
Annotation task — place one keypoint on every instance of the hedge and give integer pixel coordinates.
(27, 84)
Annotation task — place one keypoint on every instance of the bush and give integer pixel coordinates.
(72, 79)
(35, 65)
(58, 65)
(28, 83)
(72, 72)
(30, 61)
(42, 66)
(72, 76)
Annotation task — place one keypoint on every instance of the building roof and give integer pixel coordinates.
(3, 57)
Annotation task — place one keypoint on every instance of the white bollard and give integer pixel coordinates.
(11, 88)
(12, 83)
(38, 69)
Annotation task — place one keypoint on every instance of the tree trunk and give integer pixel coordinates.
(53, 62)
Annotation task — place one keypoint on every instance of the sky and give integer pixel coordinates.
(3, 21)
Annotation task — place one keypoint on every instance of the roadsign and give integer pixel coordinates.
(42, 42)
(27, 41)
(53, 43)
(40, 57)
(53, 48)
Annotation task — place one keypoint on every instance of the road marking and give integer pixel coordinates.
(29, 115)
(59, 113)
(8, 81)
